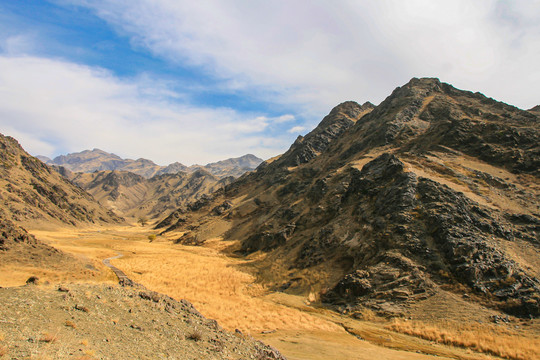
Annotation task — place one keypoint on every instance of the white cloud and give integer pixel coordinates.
(316, 54)
(284, 118)
(54, 106)
(296, 129)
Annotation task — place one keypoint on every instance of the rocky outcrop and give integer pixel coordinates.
(424, 232)
(11, 234)
(304, 149)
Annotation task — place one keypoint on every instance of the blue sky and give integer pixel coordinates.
(197, 82)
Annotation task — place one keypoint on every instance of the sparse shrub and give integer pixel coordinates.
(89, 353)
(49, 338)
(143, 220)
(152, 237)
(34, 280)
(71, 324)
(196, 335)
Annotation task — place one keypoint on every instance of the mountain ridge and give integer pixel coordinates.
(88, 161)
(435, 190)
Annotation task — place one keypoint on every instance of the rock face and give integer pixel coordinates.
(90, 161)
(433, 191)
(12, 235)
(31, 190)
(424, 232)
(304, 149)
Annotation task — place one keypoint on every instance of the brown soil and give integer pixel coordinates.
(76, 321)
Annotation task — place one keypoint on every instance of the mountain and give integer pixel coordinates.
(433, 194)
(32, 192)
(99, 160)
(89, 161)
(173, 168)
(232, 167)
(133, 195)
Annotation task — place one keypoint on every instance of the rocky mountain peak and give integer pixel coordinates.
(535, 109)
(350, 109)
(332, 126)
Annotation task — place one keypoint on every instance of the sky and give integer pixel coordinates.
(201, 81)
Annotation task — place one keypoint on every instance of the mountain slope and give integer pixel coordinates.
(31, 191)
(89, 161)
(133, 195)
(134, 323)
(433, 192)
(32, 194)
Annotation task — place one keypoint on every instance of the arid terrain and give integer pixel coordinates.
(407, 230)
(221, 288)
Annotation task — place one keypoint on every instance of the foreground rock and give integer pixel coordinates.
(113, 322)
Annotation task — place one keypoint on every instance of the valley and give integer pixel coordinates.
(224, 288)
(406, 230)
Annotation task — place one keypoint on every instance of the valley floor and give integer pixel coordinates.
(220, 290)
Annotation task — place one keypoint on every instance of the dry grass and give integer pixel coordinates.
(49, 338)
(487, 339)
(215, 287)
(3, 350)
(196, 335)
(218, 288)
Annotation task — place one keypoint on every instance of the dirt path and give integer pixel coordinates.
(122, 277)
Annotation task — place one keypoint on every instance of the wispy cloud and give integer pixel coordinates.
(296, 129)
(316, 54)
(197, 81)
(54, 106)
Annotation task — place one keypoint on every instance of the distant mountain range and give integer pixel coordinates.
(89, 161)
(133, 195)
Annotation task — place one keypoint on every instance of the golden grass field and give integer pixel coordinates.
(219, 289)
